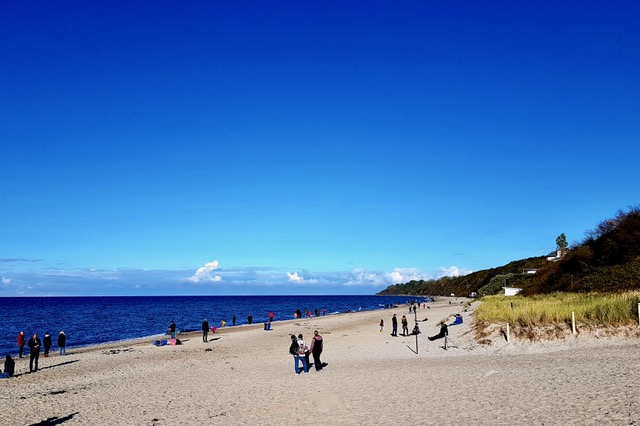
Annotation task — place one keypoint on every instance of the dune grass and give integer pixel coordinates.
(590, 308)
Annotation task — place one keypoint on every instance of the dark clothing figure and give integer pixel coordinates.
(34, 348)
(172, 329)
(443, 332)
(405, 326)
(416, 330)
(205, 330)
(249, 319)
(9, 367)
(316, 350)
(62, 343)
(233, 320)
(298, 313)
(394, 324)
(21, 343)
(47, 342)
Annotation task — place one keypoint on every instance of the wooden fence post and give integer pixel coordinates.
(573, 322)
(508, 333)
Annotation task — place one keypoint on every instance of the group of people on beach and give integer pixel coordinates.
(300, 352)
(34, 344)
(307, 313)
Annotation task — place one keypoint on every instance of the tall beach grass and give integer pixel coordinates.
(598, 309)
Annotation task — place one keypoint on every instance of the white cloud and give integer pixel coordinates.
(295, 277)
(6, 281)
(452, 271)
(206, 273)
(403, 275)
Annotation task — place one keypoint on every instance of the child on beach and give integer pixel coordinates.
(381, 325)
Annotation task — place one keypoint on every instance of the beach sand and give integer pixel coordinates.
(245, 375)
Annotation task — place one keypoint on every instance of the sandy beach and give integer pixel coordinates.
(245, 375)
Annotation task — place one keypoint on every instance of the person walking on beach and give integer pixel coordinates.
(62, 343)
(297, 350)
(271, 316)
(381, 325)
(316, 350)
(34, 349)
(249, 319)
(405, 326)
(394, 325)
(47, 342)
(172, 330)
(21, 343)
(233, 320)
(205, 330)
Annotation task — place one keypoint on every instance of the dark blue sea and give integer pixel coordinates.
(93, 320)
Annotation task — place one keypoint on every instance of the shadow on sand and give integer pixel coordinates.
(47, 367)
(55, 420)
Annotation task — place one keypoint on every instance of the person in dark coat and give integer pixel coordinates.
(34, 349)
(205, 330)
(316, 350)
(172, 330)
(250, 319)
(47, 342)
(21, 343)
(62, 343)
(9, 367)
(405, 326)
(394, 324)
(233, 320)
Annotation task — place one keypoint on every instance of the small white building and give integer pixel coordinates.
(511, 291)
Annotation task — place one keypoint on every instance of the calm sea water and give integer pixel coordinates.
(92, 320)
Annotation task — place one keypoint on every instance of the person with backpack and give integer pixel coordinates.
(297, 350)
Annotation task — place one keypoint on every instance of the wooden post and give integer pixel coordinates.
(638, 313)
(573, 322)
(507, 332)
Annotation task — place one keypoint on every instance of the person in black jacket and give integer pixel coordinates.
(34, 348)
(62, 343)
(47, 342)
(205, 330)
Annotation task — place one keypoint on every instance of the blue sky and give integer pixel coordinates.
(306, 147)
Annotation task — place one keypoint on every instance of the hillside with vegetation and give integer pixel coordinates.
(607, 260)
